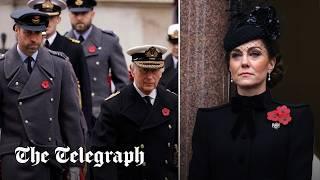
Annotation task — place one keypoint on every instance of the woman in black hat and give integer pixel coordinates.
(253, 137)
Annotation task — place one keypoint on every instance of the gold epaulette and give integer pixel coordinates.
(73, 40)
(171, 92)
(112, 95)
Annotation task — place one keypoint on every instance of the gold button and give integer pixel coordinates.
(169, 144)
(17, 83)
(51, 79)
(166, 161)
(26, 121)
(51, 99)
(49, 139)
(92, 94)
(144, 164)
(142, 146)
(97, 63)
(165, 178)
(50, 119)
(20, 103)
(170, 127)
(94, 79)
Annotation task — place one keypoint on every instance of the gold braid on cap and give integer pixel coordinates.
(150, 64)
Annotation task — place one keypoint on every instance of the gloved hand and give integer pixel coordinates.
(74, 173)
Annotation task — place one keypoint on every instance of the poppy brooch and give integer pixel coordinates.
(281, 115)
(45, 84)
(165, 112)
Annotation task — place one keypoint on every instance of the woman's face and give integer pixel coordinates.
(249, 65)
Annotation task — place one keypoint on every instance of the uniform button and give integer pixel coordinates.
(51, 99)
(94, 79)
(170, 127)
(51, 79)
(20, 103)
(50, 119)
(49, 139)
(17, 83)
(169, 144)
(26, 121)
(144, 164)
(165, 178)
(142, 146)
(32, 141)
(92, 94)
(166, 161)
(97, 63)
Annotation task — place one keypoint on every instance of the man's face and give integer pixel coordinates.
(146, 79)
(28, 41)
(52, 27)
(174, 50)
(81, 21)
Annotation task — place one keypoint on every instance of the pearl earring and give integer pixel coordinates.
(269, 76)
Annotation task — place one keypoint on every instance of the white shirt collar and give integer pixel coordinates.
(175, 62)
(84, 35)
(23, 56)
(152, 95)
(51, 38)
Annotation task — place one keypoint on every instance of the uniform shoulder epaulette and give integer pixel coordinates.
(1, 56)
(109, 32)
(73, 40)
(59, 54)
(112, 95)
(171, 92)
(290, 104)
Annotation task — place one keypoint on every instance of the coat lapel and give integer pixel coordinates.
(92, 45)
(135, 108)
(41, 78)
(15, 70)
(156, 116)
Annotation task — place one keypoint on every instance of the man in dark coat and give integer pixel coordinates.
(169, 77)
(39, 102)
(70, 47)
(102, 50)
(141, 115)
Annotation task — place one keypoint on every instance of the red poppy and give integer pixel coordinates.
(165, 112)
(92, 49)
(45, 84)
(281, 115)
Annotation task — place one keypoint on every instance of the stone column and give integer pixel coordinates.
(203, 72)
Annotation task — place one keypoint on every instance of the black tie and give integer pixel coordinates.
(46, 44)
(148, 100)
(29, 61)
(81, 39)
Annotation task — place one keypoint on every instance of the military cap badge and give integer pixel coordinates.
(78, 2)
(35, 19)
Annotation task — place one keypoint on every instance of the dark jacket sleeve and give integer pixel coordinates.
(301, 145)
(104, 139)
(199, 165)
(70, 114)
(85, 88)
(118, 65)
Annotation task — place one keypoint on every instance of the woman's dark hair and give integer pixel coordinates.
(273, 52)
